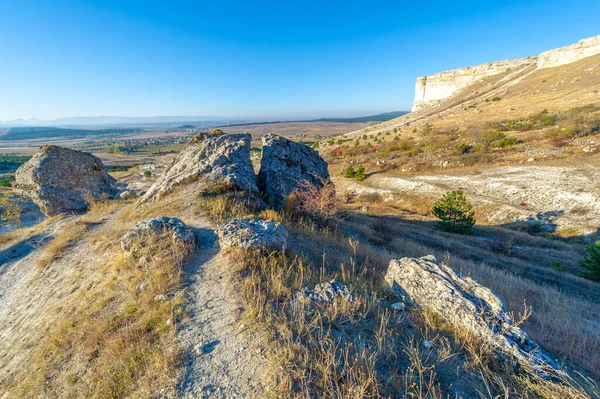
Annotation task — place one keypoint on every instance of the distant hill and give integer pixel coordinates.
(24, 133)
(372, 118)
(358, 119)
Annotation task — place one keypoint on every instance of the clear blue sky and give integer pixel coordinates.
(257, 58)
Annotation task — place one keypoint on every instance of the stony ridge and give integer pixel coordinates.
(439, 86)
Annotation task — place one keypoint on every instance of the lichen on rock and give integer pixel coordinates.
(62, 180)
(147, 230)
(285, 165)
(219, 158)
(466, 306)
(251, 233)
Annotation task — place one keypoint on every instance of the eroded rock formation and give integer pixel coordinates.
(63, 180)
(209, 159)
(285, 165)
(467, 306)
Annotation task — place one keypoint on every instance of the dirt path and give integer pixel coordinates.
(222, 360)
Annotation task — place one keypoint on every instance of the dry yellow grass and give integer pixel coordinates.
(117, 340)
(59, 244)
(361, 349)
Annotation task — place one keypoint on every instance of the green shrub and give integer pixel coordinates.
(592, 262)
(349, 171)
(506, 142)
(557, 265)
(359, 175)
(147, 174)
(460, 148)
(455, 213)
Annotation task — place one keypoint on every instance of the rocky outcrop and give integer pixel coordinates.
(569, 54)
(285, 165)
(467, 306)
(127, 194)
(432, 89)
(253, 233)
(209, 159)
(147, 230)
(326, 292)
(62, 180)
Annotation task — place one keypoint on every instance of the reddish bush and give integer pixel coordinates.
(559, 141)
(335, 152)
(316, 201)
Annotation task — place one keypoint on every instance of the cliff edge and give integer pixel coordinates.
(432, 89)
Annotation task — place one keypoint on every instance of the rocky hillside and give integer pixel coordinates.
(212, 287)
(521, 123)
(432, 90)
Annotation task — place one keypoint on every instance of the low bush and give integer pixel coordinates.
(317, 202)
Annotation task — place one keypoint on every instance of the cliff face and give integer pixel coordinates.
(566, 55)
(431, 89)
(437, 87)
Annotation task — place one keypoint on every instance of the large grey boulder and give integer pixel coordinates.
(467, 306)
(62, 180)
(253, 233)
(147, 230)
(285, 165)
(209, 159)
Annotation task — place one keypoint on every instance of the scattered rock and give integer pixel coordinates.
(61, 180)
(325, 292)
(426, 344)
(364, 209)
(284, 164)
(160, 298)
(531, 160)
(468, 306)
(206, 158)
(127, 194)
(150, 229)
(400, 306)
(253, 233)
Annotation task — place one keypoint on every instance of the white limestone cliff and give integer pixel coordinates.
(431, 89)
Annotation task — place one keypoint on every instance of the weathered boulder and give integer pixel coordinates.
(126, 194)
(467, 306)
(325, 292)
(147, 230)
(61, 180)
(284, 165)
(253, 233)
(222, 158)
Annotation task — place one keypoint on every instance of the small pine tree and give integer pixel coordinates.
(455, 213)
(349, 171)
(592, 262)
(359, 175)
